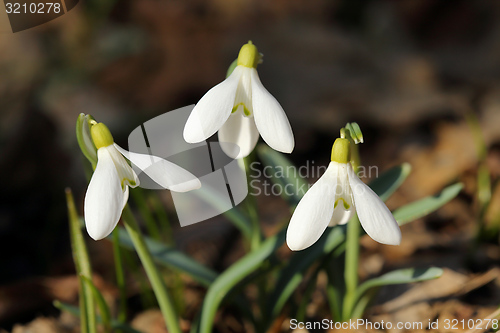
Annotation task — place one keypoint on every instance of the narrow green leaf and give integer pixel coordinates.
(306, 296)
(101, 303)
(233, 275)
(120, 276)
(292, 274)
(427, 205)
(82, 265)
(155, 278)
(483, 186)
(173, 258)
(234, 215)
(363, 303)
(75, 311)
(151, 226)
(290, 181)
(400, 276)
(390, 180)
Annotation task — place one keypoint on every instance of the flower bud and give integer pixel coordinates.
(101, 135)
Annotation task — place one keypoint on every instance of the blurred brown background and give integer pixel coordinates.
(406, 71)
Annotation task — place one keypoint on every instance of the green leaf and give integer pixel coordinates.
(400, 276)
(483, 185)
(291, 180)
(101, 303)
(390, 181)
(231, 68)
(233, 275)
(173, 258)
(82, 265)
(234, 215)
(292, 274)
(75, 311)
(365, 292)
(427, 205)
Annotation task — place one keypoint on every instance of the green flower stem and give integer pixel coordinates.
(351, 266)
(88, 317)
(251, 205)
(120, 277)
(256, 235)
(159, 288)
(352, 250)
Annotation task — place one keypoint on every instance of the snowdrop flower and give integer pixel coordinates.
(108, 190)
(240, 108)
(334, 199)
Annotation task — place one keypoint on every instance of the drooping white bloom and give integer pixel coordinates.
(108, 190)
(240, 108)
(334, 199)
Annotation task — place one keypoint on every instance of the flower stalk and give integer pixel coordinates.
(352, 245)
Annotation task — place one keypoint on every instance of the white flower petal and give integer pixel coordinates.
(314, 212)
(375, 217)
(125, 172)
(238, 136)
(105, 197)
(244, 92)
(270, 118)
(125, 197)
(341, 215)
(164, 173)
(212, 110)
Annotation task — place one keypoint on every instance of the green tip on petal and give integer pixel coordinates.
(101, 135)
(341, 152)
(249, 55)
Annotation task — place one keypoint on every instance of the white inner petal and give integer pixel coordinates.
(243, 99)
(343, 204)
(125, 171)
(239, 135)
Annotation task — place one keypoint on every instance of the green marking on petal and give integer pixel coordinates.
(246, 111)
(130, 183)
(346, 205)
